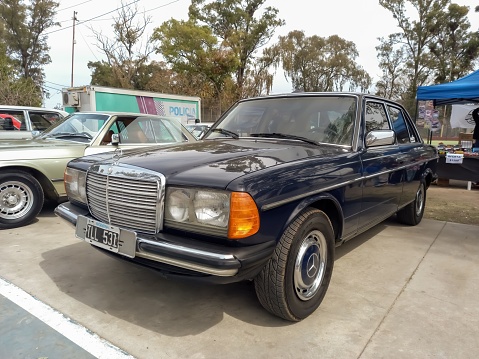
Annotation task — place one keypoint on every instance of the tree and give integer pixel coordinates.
(193, 50)
(125, 54)
(320, 64)
(14, 89)
(393, 82)
(454, 48)
(243, 27)
(415, 37)
(24, 35)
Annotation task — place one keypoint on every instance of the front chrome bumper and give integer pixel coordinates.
(185, 253)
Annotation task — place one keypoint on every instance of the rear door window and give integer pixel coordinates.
(12, 120)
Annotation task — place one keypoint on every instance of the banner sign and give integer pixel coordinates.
(461, 116)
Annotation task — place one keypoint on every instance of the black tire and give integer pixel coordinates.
(286, 287)
(412, 214)
(21, 199)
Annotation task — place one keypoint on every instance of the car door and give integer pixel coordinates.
(382, 175)
(411, 151)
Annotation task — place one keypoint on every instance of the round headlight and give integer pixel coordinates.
(177, 207)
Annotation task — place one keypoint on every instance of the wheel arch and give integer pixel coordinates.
(329, 205)
(47, 186)
(428, 177)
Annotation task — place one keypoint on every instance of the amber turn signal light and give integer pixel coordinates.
(244, 216)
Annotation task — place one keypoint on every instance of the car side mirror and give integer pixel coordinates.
(380, 138)
(35, 133)
(115, 139)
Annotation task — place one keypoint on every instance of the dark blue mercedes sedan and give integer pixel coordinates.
(274, 186)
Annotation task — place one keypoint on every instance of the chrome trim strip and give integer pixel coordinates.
(196, 252)
(185, 264)
(269, 206)
(107, 195)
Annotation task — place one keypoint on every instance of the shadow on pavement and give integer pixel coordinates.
(144, 298)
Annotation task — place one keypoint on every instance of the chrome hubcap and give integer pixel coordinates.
(419, 200)
(16, 200)
(310, 265)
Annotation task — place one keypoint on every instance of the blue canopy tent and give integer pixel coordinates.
(463, 90)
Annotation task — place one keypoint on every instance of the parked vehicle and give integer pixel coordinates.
(198, 130)
(32, 170)
(275, 185)
(100, 98)
(21, 122)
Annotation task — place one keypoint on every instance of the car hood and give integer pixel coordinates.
(213, 162)
(40, 148)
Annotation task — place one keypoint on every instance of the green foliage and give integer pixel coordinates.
(393, 81)
(193, 49)
(454, 48)
(24, 26)
(415, 37)
(16, 90)
(321, 64)
(239, 27)
(434, 45)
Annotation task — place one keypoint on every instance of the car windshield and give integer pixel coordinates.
(198, 130)
(313, 119)
(78, 127)
(149, 130)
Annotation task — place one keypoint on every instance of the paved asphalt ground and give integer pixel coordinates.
(396, 292)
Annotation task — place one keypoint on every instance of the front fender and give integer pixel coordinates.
(325, 202)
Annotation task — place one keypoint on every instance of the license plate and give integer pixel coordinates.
(111, 238)
(102, 235)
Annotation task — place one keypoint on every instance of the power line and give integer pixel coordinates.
(96, 17)
(66, 8)
(53, 83)
(88, 45)
(172, 2)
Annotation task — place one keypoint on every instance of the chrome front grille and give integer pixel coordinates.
(126, 197)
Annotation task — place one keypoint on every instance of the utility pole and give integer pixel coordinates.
(73, 43)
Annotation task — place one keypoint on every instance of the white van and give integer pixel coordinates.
(20, 122)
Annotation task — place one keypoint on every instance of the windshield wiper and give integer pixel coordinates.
(284, 135)
(226, 132)
(68, 134)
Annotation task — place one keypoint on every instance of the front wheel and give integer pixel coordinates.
(412, 214)
(21, 199)
(295, 279)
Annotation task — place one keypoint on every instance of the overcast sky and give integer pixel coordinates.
(359, 21)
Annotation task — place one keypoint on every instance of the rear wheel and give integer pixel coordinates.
(412, 214)
(21, 199)
(295, 280)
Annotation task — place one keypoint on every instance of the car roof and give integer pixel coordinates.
(119, 113)
(312, 94)
(32, 108)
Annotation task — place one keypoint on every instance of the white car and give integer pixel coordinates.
(20, 122)
(31, 171)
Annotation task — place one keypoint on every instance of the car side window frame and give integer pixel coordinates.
(383, 113)
(399, 124)
(413, 132)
